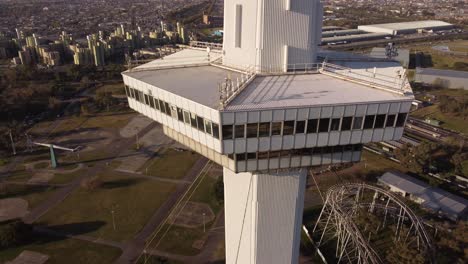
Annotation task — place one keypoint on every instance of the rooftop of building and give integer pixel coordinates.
(192, 75)
(410, 25)
(434, 198)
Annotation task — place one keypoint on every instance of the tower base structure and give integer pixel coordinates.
(263, 214)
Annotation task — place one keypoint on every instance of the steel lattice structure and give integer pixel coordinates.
(336, 222)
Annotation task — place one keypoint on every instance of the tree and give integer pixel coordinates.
(219, 189)
(419, 158)
(13, 233)
(404, 253)
(457, 162)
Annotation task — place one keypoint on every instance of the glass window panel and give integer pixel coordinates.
(379, 121)
(151, 101)
(324, 124)
(264, 130)
(241, 157)
(239, 131)
(274, 154)
(162, 105)
(208, 127)
(193, 120)
(215, 131)
(137, 95)
(263, 155)
(357, 123)
(126, 91)
(168, 108)
(346, 123)
(156, 103)
(369, 122)
(390, 120)
(252, 130)
(173, 111)
(227, 132)
(180, 114)
(288, 128)
(300, 127)
(312, 126)
(251, 156)
(146, 99)
(401, 120)
(186, 117)
(335, 124)
(276, 128)
(200, 124)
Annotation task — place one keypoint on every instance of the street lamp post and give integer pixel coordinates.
(203, 222)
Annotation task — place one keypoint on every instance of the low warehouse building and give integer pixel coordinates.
(407, 27)
(431, 198)
(444, 78)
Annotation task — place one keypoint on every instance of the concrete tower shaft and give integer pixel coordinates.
(272, 34)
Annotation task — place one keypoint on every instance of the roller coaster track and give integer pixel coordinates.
(337, 222)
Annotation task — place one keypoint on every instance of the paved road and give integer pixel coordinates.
(133, 250)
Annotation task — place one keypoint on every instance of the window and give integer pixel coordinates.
(369, 122)
(274, 154)
(335, 124)
(156, 104)
(193, 120)
(146, 99)
(357, 123)
(127, 93)
(300, 127)
(252, 130)
(401, 119)
(132, 92)
(163, 107)
(208, 127)
(276, 128)
(240, 157)
(390, 121)
(137, 95)
(168, 108)
(346, 123)
(251, 156)
(324, 124)
(180, 114)
(238, 24)
(348, 148)
(151, 101)
(200, 124)
(262, 155)
(227, 132)
(239, 131)
(215, 131)
(288, 128)
(264, 130)
(312, 126)
(174, 111)
(186, 117)
(379, 121)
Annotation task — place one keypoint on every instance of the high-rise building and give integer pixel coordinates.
(267, 105)
(83, 56)
(99, 54)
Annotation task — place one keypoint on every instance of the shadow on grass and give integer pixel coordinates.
(74, 229)
(119, 183)
(16, 190)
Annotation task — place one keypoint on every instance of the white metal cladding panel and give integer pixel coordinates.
(227, 118)
(266, 116)
(347, 157)
(300, 141)
(241, 118)
(326, 159)
(311, 140)
(294, 28)
(338, 111)
(322, 139)
(280, 200)
(288, 142)
(383, 108)
(388, 134)
(239, 146)
(264, 144)
(252, 144)
(316, 160)
(278, 115)
(356, 156)
(238, 207)
(253, 117)
(367, 136)
(372, 109)
(334, 139)
(361, 110)
(405, 107)
(246, 54)
(314, 113)
(326, 112)
(291, 114)
(345, 137)
(350, 110)
(228, 146)
(394, 108)
(276, 142)
(378, 135)
(398, 133)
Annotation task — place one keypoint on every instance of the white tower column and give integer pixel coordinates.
(263, 216)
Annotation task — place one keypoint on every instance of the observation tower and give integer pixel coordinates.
(267, 105)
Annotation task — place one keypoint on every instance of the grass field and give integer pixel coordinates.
(34, 195)
(133, 201)
(449, 121)
(64, 178)
(114, 88)
(171, 164)
(68, 251)
(441, 60)
(179, 240)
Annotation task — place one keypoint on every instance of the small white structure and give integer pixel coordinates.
(266, 107)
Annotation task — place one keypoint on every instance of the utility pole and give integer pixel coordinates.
(203, 222)
(12, 143)
(113, 218)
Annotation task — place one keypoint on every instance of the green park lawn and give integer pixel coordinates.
(179, 240)
(171, 164)
(34, 195)
(449, 121)
(68, 251)
(88, 212)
